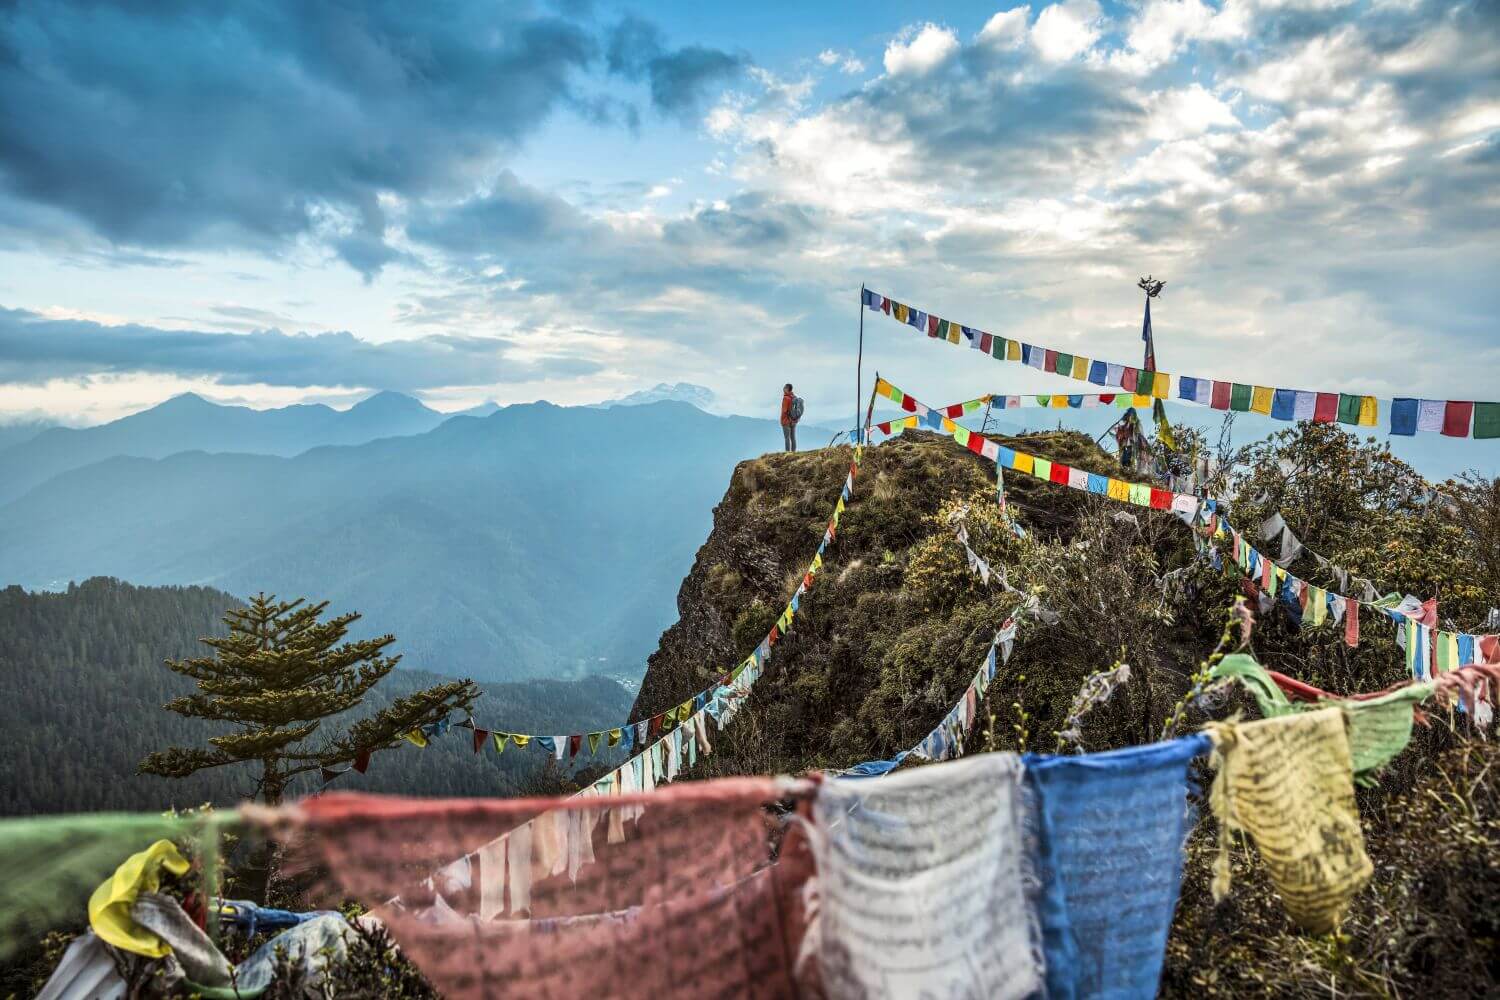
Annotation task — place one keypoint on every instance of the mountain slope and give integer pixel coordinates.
(540, 540)
(82, 684)
(192, 423)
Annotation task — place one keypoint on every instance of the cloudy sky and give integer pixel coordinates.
(294, 200)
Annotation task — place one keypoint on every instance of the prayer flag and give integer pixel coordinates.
(1097, 373)
(1114, 374)
(1161, 499)
(1012, 350)
(1404, 416)
(1140, 494)
(1348, 408)
(1306, 405)
(575, 743)
(1049, 360)
(942, 329)
(1351, 623)
(1221, 395)
(1041, 467)
(997, 348)
(1260, 399)
(1430, 415)
(1486, 420)
(1064, 364)
(521, 740)
(1187, 387)
(1145, 381)
(362, 761)
(1024, 462)
(1060, 473)
(1456, 418)
(1284, 404)
(1129, 378)
(1326, 409)
(1080, 368)
(1239, 398)
(900, 312)
(1098, 484)
(1369, 411)
(415, 737)
(481, 736)
(1119, 490)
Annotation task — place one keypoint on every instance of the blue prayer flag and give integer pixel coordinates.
(1075, 401)
(1187, 387)
(1007, 458)
(1112, 831)
(1098, 484)
(1098, 372)
(1404, 416)
(1465, 649)
(871, 299)
(1284, 404)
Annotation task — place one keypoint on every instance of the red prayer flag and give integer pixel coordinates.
(362, 761)
(885, 306)
(955, 411)
(1326, 409)
(574, 743)
(932, 325)
(481, 736)
(908, 404)
(986, 341)
(884, 428)
(1059, 473)
(1351, 623)
(976, 444)
(1049, 361)
(655, 726)
(1489, 648)
(775, 634)
(1456, 418)
(1128, 379)
(1220, 398)
(1161, 499)
(1106, 398)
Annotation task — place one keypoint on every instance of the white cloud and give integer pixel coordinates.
(1188, 111)
(852, 66)
(1066, 29)
(848, 63)
(828, 57)
(1163, 27)
(1006, 29)
(920, 52)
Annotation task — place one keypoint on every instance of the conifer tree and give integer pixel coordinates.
(278, 673)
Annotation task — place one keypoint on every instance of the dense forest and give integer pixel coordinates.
(82, 685)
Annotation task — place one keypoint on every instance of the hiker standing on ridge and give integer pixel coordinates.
(791, 412)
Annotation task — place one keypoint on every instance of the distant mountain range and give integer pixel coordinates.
(537, 541)
(191, 423)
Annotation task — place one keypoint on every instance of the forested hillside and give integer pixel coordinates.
(82, 685)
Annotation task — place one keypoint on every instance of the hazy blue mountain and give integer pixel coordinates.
(540, 540)
(21, 431)
(192, 423)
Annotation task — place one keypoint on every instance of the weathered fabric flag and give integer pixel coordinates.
(1111, 833)
(1288, 782)
(922, 884)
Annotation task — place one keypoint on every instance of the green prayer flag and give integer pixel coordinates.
(1042, 468)
(1239, 398)
(594, 742)
(1064, 363)
(1349, 408)
(614, 738)
(997, 348)
(943, 329)
(500, 740)
(1379, 728)
(1144, 381)
(1487, 420)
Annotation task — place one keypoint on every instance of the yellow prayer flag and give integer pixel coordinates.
(1161, 386)
(1139, 401)
(949, 425)
(1059, 402)
(1080, 367)
(614, 738)
(1260, 399)
(899, 311)
(954, 332)
(520, 739)
(1369, 411)
(1012, 350)
(1024, 462)
(1317, 603)
(1119, 490)
(416, 737)
(110, 904)
(1288, 782)
(882, 387)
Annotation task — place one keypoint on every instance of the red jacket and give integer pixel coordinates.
(786, 408)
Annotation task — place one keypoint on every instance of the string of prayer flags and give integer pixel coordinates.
(1288, 782)
(1452, 418)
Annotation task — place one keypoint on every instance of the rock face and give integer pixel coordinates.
(895, 626)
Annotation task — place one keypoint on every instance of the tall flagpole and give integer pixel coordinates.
(859, 361)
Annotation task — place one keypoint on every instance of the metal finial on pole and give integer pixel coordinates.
(1150, 286)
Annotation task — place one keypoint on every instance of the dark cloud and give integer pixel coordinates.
(160, 126)
(34, 349)
(513, 219)
(748, 221)
(678, 78)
